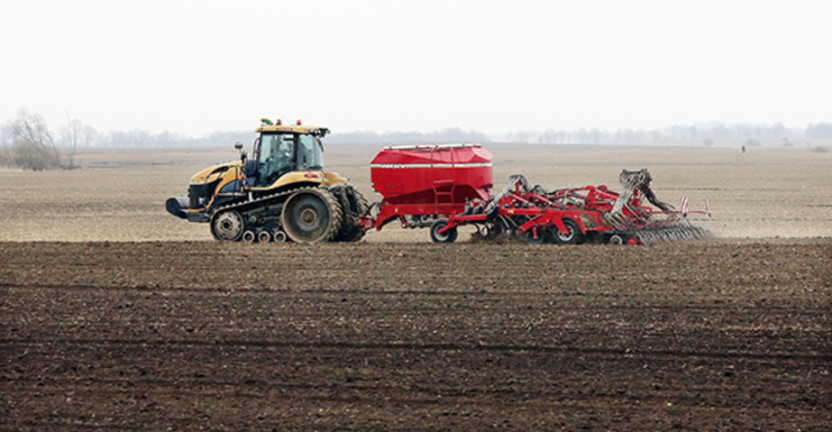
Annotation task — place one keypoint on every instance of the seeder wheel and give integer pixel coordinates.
(446, 237)
(573, 236)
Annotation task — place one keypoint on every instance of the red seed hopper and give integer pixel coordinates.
(421, 183)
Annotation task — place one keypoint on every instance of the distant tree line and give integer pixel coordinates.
(27, 142)
(704, 132)
(819, 130)
(456, 135)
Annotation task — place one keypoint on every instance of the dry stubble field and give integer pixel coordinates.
(137, 324)
(119, 196)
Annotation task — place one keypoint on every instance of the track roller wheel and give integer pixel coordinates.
(227, 226)
(574, 235)
(264, 237)
(249, 237)
(280, 237)
(446, 237)
(311, 215)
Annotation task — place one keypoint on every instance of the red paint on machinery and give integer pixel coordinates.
(421, 182)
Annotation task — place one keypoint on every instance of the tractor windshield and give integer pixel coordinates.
(310, 154)
(281, 153)
(276, 157)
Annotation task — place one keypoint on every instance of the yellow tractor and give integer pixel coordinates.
(282, 192)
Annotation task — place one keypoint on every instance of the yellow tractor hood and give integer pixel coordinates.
(214, 173)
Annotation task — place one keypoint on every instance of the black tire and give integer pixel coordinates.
(353, 206)
(311, 215)
(617, 239)
(529, 237)
(227, 226)
(448, 237)
(575, 235)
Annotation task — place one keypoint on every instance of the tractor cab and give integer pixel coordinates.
(280, 150)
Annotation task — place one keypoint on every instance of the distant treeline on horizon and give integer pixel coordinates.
(704, 134)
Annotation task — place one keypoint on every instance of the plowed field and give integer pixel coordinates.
(375, 336)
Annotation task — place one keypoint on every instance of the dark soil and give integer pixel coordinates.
(210, 336)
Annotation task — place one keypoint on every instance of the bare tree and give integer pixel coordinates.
(33, 146)
(73, 134)
(5, 154)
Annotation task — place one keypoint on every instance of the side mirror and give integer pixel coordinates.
(239, 146)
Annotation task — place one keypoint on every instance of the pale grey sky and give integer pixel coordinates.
(197, 66)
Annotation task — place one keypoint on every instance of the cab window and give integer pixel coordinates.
(310, 154)
(267, 144)
(276, 156)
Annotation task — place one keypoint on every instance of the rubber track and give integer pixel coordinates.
(253, 203)
(264, 201)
